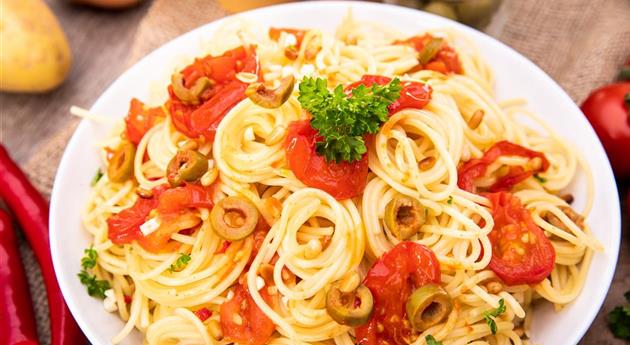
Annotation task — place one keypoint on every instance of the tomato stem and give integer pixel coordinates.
(624, 74)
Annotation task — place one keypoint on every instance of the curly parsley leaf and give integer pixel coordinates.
(181, 262)
(89, 260)
(95, 287)
(491, 314)
(342, 120)
(432, 341)
(619, 320)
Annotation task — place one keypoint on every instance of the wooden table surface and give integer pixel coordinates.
(100, 42)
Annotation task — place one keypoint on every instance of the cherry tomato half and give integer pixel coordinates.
(341, 180)
(413, 94)
(242, 321)
(521, 253)
(391, 280)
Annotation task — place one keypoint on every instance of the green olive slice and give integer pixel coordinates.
(429, 51)
(186, 166)
(404, 216)
(271, 98)
(427, 306)
(349, 308)
(234, 218)
(189, 95)
(120, 167)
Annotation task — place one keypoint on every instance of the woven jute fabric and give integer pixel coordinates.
(580, 43)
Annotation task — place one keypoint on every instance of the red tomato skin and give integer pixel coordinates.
(413, 94)
(609, 116)
(511, 222)
(124, 227)
(476, 168)
(205, 120)
(341, 180)
(202, 120)
(181, 198)
(256, 327)
(180, 114)
(140, 119)
(392, 279)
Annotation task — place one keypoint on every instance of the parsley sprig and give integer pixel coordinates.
(342, 120)
(95, 287)
(492, 314)
(181, 262)
(431, 340)
(96, 178)
(619, 320)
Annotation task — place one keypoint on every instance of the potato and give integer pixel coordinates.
(109, 4)
(35, 55)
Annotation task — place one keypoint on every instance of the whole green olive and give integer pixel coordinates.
(441, 9)
(349, 308)
(476, 13)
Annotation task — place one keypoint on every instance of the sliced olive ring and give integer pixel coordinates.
(271, 98)
(120, 167)
(186, 166)
(350, 308)
(189, 95)
(427, 306)
(234, 218)
(429, 51)
(404, 216)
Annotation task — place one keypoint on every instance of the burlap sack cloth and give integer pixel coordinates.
(580, 43)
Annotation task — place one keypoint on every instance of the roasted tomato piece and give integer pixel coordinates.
(521, 253)
(242, 321)
(392, 279)
(341, 180)
(140, 119)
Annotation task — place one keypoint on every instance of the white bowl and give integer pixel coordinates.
(515, 77)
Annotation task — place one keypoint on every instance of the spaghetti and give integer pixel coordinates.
(176, 278)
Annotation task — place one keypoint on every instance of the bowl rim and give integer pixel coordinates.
(64, 165)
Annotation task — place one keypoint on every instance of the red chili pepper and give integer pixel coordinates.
(31, 210)
(203, 314)
(17, 324)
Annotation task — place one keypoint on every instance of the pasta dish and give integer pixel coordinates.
(362, 186)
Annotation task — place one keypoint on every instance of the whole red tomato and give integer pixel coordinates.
(608, 110)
